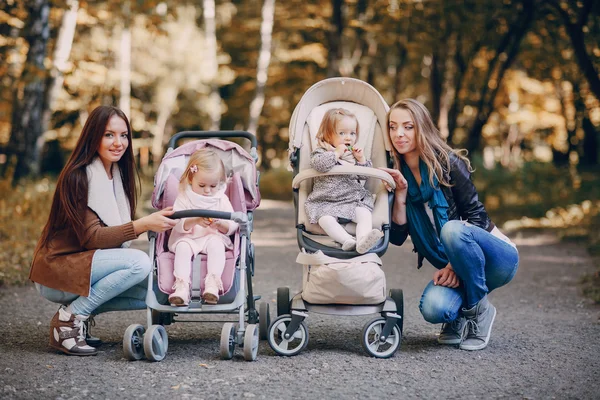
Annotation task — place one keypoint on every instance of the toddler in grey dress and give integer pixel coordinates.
(344, 197)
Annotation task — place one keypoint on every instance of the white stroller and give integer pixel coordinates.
(381, 337)
(237, 298)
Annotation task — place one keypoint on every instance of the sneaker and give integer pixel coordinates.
(366, 243)
(89, 339)
(212, 287)
(451, 332)
(478, 326)
(67, 334)
(181, 295)
(349, 244)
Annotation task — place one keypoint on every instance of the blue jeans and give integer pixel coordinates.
(118, 283)
(483, 263)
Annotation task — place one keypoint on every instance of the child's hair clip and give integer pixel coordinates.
(194, 169)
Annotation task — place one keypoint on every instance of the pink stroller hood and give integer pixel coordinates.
(234, 157)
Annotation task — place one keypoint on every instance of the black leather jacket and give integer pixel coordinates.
(463, 203)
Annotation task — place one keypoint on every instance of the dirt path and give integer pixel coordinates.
(544, 344)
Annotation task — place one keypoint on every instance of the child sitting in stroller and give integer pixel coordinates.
(202, 186)
(341, 198)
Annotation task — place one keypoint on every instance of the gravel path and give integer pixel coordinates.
(544, 344)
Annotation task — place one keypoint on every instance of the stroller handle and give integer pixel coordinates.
(211, 134)
(238, 217)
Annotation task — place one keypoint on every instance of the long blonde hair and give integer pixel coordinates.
(206, 160)
(433, 150)
(327, 130)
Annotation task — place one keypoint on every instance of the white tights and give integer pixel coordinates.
(215, 259)
(364, 224)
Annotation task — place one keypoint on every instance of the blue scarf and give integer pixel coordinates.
(424, 236)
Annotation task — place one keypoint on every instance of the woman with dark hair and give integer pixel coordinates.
(437, 204)
(82, 259)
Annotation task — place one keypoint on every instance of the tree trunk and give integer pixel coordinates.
(577, 36)
(505, 55)
(590, 143)
(125, 62)
(214, 99)
(264, 59)
(335, 38)
(28, 99)
(462, 64)
(62, 50)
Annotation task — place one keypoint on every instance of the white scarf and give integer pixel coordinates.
(205, 202)
(107, 198)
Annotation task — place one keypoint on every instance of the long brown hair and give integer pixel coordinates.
(71, 195)
(328, 128)
(432, 148)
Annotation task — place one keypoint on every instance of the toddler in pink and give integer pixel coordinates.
(202, 186)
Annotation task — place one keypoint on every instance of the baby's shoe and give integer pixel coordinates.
(67, 333)
(212, 287)
(365, 243)
(181, 296)
(349, 244)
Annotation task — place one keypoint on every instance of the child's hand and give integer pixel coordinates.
(358, 154)
(340, 150)
(204, 222)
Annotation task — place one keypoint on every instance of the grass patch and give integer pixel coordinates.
(276, 184)
(24, 211)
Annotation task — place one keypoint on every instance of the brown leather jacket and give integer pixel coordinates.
(66, 263)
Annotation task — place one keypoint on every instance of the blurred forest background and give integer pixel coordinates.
(516, 82)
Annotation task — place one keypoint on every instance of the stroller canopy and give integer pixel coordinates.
(337, 89)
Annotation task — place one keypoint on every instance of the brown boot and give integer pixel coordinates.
(67, 334)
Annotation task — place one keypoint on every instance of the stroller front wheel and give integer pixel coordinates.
(133, 342)
(228, 333)
(287, 347)
(156, 343)
(251, 342)
(374, 344)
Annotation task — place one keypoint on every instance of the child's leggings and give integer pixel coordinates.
(364, 224)
(215, 255)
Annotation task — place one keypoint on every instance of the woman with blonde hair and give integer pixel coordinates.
(437, 205)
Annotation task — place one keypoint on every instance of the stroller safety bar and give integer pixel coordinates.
(344, 170)
(239, 217)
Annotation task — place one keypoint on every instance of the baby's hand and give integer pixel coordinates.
(340, 150)
(204, 222)
(358, 154)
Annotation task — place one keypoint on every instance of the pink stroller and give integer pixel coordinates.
(237, 298)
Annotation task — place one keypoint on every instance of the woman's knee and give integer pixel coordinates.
(139, 262)
(453, 232)
(439, 304)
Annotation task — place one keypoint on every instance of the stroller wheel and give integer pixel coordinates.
(297, 342)
(283, 301)
(371, 339)
(156, 343)
(227, 341)
(251, 342)
(264, 320)
(133, 342)
(398, 296)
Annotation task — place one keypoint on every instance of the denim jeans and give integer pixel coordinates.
(483, 263)
(118, 283)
